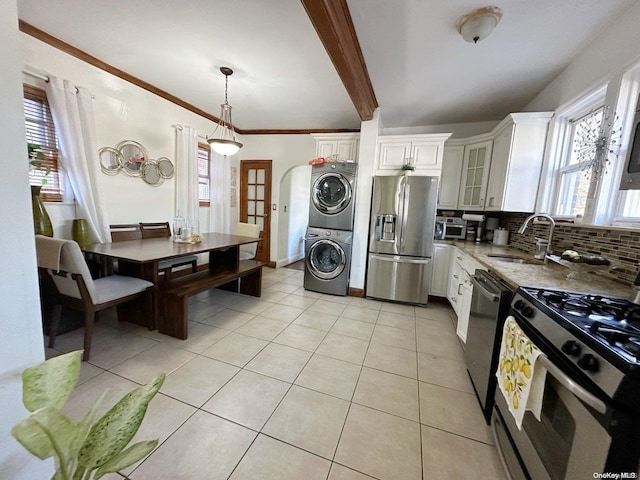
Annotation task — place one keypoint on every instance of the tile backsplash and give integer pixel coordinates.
(622, 247)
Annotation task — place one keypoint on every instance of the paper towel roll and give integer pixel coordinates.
(501, 237)
(473, 218)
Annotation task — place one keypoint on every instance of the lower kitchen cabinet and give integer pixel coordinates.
(466, 288)
(453, 289)
(440, 270)
(460, 288)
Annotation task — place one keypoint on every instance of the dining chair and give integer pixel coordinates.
(123, 232)
(248, 251)
(162, 230)
(67, 275)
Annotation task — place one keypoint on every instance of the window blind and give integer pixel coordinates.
(41, 131)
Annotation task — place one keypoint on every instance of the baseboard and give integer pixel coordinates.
(356, 292)
(289, 261)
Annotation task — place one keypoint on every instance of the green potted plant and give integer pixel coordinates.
(36, 156)
(85, 450)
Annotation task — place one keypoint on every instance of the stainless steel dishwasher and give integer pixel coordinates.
(489, 309)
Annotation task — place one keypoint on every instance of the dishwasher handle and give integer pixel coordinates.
(485, 288)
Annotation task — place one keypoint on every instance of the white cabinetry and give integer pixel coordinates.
(475, 174)
(423, 152)
(450, 178)
(440, 270)
(516, 162)
(453, 289)
(466, 287)
(342, 146)
(460, 289)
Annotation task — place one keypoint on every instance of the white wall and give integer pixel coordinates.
(369, 132)
(122, 112)
(285, 151)
(457, 130)
(607, 56)
(294, 214)
(21, 341)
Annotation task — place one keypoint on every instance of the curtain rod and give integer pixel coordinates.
(36, 75)
(45, 78)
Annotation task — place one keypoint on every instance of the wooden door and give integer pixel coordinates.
(255, 201)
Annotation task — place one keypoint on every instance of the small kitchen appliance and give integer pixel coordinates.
(455, 228)
(590, 419)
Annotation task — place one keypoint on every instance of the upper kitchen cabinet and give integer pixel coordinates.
(423, 152)
(516, 162)
(450, 178)
(342, 146)
(475, 175)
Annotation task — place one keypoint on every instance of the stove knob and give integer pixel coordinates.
(589, 363)
(528, 312)
(519, 304)
(571, 348)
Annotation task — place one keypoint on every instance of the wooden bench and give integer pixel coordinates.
(174, 294)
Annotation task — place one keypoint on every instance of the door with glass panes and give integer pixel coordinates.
(475, 174)
(255, 201)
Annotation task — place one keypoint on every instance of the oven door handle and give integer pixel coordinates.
(587, 397)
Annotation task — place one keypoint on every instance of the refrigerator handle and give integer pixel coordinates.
(399, 259)
(403, 222)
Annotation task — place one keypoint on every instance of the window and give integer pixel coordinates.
(41, 131)
(204, 174)
(574, 181)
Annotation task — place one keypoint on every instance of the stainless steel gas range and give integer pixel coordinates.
(590, 420)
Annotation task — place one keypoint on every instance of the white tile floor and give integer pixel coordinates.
(295, 385)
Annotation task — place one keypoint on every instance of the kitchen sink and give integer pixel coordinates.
(514, 259)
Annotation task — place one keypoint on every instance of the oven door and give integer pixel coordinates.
(568, 442)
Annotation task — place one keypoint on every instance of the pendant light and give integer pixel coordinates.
(223, 139)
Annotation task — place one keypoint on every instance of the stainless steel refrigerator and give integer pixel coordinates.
(403, 215)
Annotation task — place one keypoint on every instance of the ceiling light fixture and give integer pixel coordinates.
(479, 24)
(223, 139)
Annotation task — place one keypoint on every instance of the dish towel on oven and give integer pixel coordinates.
(520, 379)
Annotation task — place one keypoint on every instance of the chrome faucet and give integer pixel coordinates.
(552, 225)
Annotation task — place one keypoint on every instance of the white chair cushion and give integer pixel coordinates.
(247, 255)
(171, 262)
(117, 286)
(248, 251)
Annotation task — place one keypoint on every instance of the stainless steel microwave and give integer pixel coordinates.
(631, 174)
(454, 228)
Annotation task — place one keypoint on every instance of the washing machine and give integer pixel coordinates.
(333, 195)
(327, 261)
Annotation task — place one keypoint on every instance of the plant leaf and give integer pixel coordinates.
(49, 383)
(48, 432)
(111, 434)
(127, 457)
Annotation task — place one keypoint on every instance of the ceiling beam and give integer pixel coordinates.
(333, 24)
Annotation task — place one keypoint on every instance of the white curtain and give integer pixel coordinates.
(72, 111)
(187, 173)
(220, 196)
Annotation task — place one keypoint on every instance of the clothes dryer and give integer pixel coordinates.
(327, 261)
(333, 195)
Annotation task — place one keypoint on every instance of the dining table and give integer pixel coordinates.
(140, 258)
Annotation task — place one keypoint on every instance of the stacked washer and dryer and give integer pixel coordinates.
(330, 231)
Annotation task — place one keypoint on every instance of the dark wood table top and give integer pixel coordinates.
(152, 249)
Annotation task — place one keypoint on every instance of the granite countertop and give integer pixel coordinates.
(551, 275)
